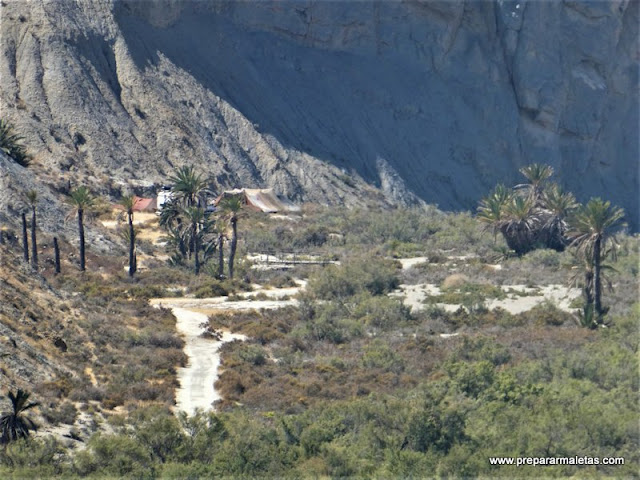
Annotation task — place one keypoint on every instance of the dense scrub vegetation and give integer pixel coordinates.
(350, 382)
(578, 398)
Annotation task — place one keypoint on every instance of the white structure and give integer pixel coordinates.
(163, 197)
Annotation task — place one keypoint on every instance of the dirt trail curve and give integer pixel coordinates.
(197, 379)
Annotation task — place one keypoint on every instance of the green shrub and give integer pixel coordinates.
(547, 313)
(115, 456)
(381, 312)
(331, 322)
(251, 354)
(378, 354)
(376, 276)
(543, 257)
(64, 413)
(35, 458)
(211, 288)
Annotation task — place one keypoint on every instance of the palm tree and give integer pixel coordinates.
(189, 187)
(129, 202)
(195, 217)
(189, 190)
(520, 224)
(558, 206)
(219, 230)
(593, 228)
(537, 175)
(32, 198)
(231, 206)
(171, 220)
(10, 144)
(492, 208)
(15, 425)
(56, 254)
(81, 201)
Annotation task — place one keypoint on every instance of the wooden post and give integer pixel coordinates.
(56, 253)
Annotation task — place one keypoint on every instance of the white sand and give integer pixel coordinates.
(197, 379)
(559, 295)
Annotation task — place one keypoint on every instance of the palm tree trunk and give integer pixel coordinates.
(25, 241)
(34, 243)
(56, 254)
(196, 248)
(234, 242)
(597, 284)
(132, 246)
(81, 234)
(220, 255)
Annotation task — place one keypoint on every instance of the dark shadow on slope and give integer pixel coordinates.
(343, 108)
(97, 50)
(450, 134)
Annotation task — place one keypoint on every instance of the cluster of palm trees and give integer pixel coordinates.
(31, 198)
(539, 214)
(195, 232)
(192, 228)
(531, 215)
(80, 200)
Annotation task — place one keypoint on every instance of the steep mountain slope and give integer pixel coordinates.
(438, 100)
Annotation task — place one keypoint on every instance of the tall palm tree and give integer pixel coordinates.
(219, 230)
(81, 201)
(15, 424)
(56, 254)
(593, 229)
(129, 202)
(32, 198)
(231, 207)
(583, 278)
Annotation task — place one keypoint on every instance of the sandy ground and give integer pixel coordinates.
(412, 262)
(559, 295)
(197, 378)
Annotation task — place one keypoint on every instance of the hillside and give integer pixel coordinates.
(424, 100)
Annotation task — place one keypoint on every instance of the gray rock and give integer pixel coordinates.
(453, 96)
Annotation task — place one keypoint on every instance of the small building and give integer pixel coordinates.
(144, 204)
(260, 200)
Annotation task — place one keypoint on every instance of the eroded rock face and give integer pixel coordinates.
(438, 100)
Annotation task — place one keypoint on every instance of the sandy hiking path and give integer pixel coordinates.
(196, 380)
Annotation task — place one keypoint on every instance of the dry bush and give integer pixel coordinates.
(456, 280)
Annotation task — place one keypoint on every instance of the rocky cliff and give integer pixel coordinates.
(331, 102)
